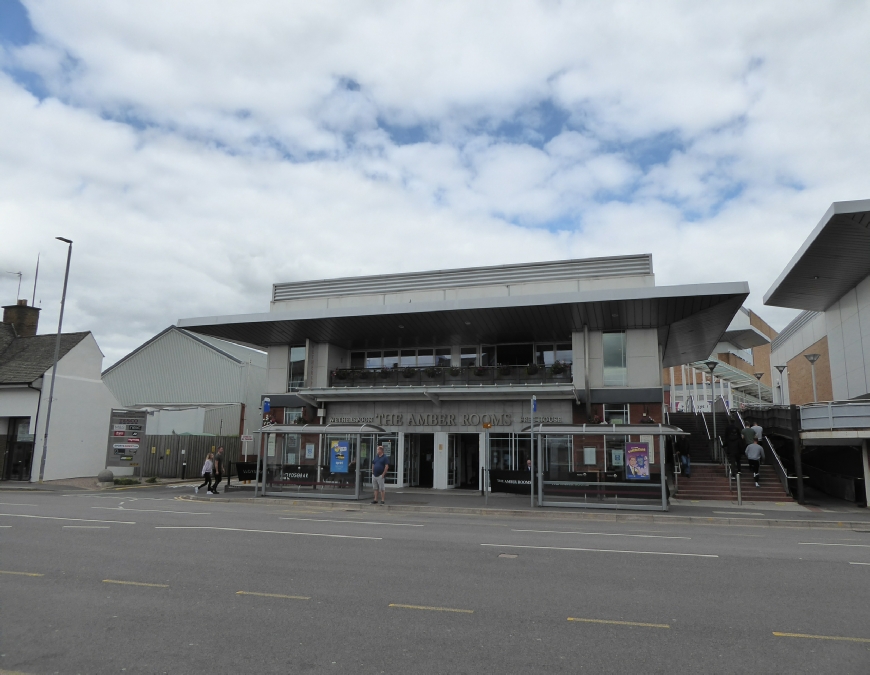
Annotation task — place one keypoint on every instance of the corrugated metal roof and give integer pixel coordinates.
(471, 276)
(832, 260)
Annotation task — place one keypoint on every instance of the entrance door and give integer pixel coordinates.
(19, 450)
(464, 461)
(420, 450)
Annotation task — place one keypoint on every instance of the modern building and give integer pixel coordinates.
(80, 411)
(191, 384)
(829, 279)
(446, 362)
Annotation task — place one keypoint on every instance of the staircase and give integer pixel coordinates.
(709, 482)
(699, 443)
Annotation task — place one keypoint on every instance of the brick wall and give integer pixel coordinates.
(800, 376)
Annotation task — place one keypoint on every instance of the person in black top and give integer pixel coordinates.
(218, 468)
(380, 466)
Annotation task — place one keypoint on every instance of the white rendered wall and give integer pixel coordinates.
(19, 402)
(848, 327)
(278, 361)
(79, 418)
(642, 358)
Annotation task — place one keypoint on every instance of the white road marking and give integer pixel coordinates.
(818, 543)
(602, 550)
(739, 513)
(356, 522)
(87, 527)
(14, 504)
(81, 520)
(239, 529)
(859, 563)
(5, 526)
(124, 508)
(604, 534)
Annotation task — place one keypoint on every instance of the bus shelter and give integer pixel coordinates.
(330, 461)
(602, 466)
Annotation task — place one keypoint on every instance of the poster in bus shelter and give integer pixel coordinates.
(338, 456)
(637, 461)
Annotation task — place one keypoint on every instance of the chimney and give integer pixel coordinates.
(24, 319)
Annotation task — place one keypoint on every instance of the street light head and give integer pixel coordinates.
(758, 376)
(711, 365)
(812, 358)
(780, 369)
(68, 241)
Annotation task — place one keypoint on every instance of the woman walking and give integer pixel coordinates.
(207, 469)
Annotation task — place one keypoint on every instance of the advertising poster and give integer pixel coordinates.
(339, 452)
(637, 461)
(309, 451)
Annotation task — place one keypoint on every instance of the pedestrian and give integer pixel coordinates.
(733, 447)
(685, 459)
(758, 432)
(755, 455)
(748, 434)
(218, 469)
(379, 473)
(207, 468)
(646, 419)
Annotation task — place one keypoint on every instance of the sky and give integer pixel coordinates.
(198, 151)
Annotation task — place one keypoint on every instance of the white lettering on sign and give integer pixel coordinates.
(247, 438)
(542, 419)
(125, 446)
(352, 420)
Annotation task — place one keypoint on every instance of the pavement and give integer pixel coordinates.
(139, 580)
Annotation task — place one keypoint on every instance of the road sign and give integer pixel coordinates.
(247, 438)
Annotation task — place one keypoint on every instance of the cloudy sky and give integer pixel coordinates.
(198, 151)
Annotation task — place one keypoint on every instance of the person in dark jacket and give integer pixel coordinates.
(685, 459)
(733, 447)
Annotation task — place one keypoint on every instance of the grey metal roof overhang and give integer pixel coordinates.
(832, 260)
(690, 319)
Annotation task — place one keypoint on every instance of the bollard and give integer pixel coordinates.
(739, 491)
(183, 469)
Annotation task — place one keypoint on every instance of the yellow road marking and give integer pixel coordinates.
(134, 583)
(822, 637)
(434, 609)
(274, 595)
(23, 574)
(621, 623)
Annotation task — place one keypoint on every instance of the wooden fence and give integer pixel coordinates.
(165, 456)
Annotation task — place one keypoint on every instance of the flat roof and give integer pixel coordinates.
(834, 258)
(691, 319)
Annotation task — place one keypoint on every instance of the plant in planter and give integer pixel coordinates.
(455, 371)
(409, 372)
(386, 373)
(558, 368)
(363, 374)
(480, 371)
(504, 370)
(432, 372)
(341, 374)
(532, 369)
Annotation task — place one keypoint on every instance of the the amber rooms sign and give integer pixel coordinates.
(436, 419)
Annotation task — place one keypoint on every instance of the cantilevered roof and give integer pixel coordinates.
(832, 260)
(691, 320)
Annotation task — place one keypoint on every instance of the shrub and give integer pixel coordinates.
(153, 479)
(127, 481)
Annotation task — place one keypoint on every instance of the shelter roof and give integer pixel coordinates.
(832, 260)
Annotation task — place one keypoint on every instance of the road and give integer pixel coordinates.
(138, 581)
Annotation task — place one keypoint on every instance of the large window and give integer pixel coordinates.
(296, 375)
(614, 359)
(404, 358)
(547, 354)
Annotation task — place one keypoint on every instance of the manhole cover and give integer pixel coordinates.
(507, 555)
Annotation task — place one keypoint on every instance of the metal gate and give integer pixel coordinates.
(183, 456)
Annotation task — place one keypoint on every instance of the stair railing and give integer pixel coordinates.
(777, 464)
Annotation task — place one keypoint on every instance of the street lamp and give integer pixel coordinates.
(812, 358)
(781, 387)
(712, 366)
(56, 357)
(758, 377)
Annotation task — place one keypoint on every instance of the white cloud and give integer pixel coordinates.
(197, 152)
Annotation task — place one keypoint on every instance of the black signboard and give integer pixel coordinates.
(518, 482)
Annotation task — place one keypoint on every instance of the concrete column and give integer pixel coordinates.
(673, 392)
(694, 386)
(400, 459)
(865, 450)
(683, 378)
(482, 458)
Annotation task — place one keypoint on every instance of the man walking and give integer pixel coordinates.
(755, 455)
(748, 434)
(218, 468)
(758, 432)
(380, 466)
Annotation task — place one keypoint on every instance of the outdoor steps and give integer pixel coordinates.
(710, 482)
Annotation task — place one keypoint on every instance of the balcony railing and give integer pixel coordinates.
(559, 373)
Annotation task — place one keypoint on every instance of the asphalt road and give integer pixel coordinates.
(140, 582)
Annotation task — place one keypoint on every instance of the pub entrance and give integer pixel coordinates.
(463, 461)
(420, 460)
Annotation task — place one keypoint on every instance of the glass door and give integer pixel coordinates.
(452, 461)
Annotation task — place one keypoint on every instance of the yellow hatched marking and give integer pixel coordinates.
(134, 583)
(23, 574)
(434, 609)
(274, 595)
(621, 623)
(822, 637)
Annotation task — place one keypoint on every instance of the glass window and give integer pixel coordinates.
(468, 356)
(487, 355)
(291, 415)
(408, 358)
(515, 355)
(425, 358)
(614, 359)
(442, 356)
(373, 359)
(357, 359)
(296, 377)
(565, 353)
(616, 414)
(544, 355)
(500, 452)
(391, 358)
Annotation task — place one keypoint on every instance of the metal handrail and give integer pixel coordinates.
(779, 468)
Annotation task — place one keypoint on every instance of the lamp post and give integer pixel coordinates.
(56, 357)
(781, 387)
(712, 366)
(812, 358)
(758, 377)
